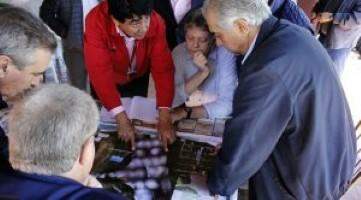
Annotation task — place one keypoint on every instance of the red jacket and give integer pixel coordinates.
(107, 59)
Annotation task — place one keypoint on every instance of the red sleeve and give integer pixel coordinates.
(162, 67)
(98, 61)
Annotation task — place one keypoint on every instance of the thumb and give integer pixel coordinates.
(132, 142)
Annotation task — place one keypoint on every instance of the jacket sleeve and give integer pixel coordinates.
(162, 67)
(350, 19)
(227, 83)
(180, 95)
(49, 13)
(98, 62)
(261, 113)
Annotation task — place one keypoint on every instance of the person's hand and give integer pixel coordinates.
(126, 130)
(325, 17)
(315, 20)
(178, 114)
(92, 182)
(165, 128)
(201, 61)
(216, 149)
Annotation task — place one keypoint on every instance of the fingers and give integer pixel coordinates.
(165, 143)
(200, 59)
(132, 141)
(172, 137)
(197, 54)
(166, 139)
(127, 135)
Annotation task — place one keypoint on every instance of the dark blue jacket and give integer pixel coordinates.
(287, 9)
(18, 185)
(291, 133)
(4, 149)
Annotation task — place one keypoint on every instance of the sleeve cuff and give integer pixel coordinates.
(115, 111)
(209, 111)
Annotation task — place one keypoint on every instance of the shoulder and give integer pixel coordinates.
(223, 52)
(181, 57)
(157, 25)
(95, 193)
(179, 50)
(287, 41)
(98, 14)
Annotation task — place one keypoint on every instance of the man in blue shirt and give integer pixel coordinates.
(291, 134)
(51, 146)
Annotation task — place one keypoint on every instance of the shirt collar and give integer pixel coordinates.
(250, 49)
(121, 33)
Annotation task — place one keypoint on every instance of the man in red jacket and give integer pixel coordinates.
(123, 41)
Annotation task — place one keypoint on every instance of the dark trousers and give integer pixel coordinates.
(74, 60)
(137, 87)
(4, 152)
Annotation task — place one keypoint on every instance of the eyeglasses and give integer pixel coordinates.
(139, 22)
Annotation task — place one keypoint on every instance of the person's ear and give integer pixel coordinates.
(4, 62)
(241, 26)
(116, 22)
(87, 152)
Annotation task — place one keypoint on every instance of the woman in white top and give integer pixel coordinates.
(205, 76)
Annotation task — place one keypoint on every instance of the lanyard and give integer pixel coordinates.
(132, 66)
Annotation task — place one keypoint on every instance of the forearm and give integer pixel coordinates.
(195, 81)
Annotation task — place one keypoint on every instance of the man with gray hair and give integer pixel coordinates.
(291, 134)
(51, 145)
(26, 46)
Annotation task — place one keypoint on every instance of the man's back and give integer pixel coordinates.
(315, 155)
(291, 131)
(18, 185)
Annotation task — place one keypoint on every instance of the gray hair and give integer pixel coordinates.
(255, 12)
(21, 33)
(48, 128)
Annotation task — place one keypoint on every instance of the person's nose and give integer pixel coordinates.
(196, 44)
(145, 25)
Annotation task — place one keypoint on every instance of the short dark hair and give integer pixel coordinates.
(194, 18)
(21, 33)
(128, 9)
